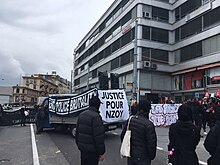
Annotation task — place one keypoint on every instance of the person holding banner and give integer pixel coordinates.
(143, 136)
(90, 134)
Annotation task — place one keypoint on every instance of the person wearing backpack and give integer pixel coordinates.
(212, 141)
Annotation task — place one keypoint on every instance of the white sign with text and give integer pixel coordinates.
(114, 105)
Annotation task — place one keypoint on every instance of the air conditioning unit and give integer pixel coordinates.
(146, 15)
(146, 64)
(154, 66)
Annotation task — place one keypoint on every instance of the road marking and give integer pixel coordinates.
(200, 162)
(159, 148)
(203, 163)
(34, 147)
(114, 133)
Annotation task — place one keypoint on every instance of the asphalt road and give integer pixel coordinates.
(59, 148)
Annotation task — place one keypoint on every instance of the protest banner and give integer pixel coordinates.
(114, 105)
(163, 114)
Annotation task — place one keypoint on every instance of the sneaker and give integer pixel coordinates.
(205, 133)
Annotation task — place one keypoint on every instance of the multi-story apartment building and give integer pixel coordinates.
(24, 94)
(41, 84)
(177, 45)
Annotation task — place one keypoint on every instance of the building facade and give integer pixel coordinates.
(24, 94)
(39, 81)
(176, 42)
(41, 84)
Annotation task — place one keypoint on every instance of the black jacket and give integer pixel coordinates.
(184, 137)
(143, 138)
(212, 144)
(90, 132)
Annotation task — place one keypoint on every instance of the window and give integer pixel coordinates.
(94, 73)
(17, 90)
(94, 59)
(127, 37)
(102, 26)
(124, 2)
(177, 35)
(187, 8)
(108, 51)
(160, 35)
(126, 18)
(100, 55)
(191, 28)
(96, 46)
(190, 6)
(212, 18)
(77, 81)
(145, 54)
(116, 45)
(191, 51)
(160, 14)
(125, 58)
(158, 55)
(101, 41)
(146, 32)
(115, 63)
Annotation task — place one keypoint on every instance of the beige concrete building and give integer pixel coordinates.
(24, 94)
(41, 84)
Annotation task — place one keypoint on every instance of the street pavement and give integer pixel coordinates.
(59, 148)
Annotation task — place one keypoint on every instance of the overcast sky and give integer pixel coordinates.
(39, 36)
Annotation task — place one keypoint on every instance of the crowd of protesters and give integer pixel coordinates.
(203, 112)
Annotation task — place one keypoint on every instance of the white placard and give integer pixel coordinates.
(114, 107)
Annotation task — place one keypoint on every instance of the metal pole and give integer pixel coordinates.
(88, 79)
(71, 87)
(135, 64)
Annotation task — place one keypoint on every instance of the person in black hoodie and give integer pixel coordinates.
(212, 141)
(143, 136)
(184, 136)
(90, 134)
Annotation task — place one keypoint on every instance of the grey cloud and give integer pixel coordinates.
(39, 36)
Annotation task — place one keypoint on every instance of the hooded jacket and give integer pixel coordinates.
(90, 132)
(212, 144)
(184, 137)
